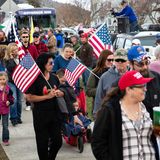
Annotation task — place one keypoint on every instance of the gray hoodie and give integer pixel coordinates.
(104, 85)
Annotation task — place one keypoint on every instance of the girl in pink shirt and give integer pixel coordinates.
(6, 99)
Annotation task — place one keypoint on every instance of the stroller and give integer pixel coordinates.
(75, 134)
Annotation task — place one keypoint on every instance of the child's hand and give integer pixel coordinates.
(77, 120)
(7, 103)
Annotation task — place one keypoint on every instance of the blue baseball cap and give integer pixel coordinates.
(136, 53)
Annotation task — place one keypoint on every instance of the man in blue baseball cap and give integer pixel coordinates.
(139, 61)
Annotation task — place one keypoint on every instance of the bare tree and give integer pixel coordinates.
(34, 3)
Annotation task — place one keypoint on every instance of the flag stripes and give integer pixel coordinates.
(74, 71)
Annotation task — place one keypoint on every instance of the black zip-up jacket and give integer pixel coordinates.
(107, 141)
(152, 98)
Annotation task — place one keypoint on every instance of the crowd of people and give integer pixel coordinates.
(124, 85)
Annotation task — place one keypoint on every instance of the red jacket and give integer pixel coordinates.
(41, 47)
(32, 50)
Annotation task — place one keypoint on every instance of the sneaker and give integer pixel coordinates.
(28, 108)
(6, 143)
(19, 121)
(14, 122)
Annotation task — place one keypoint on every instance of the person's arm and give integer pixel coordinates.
(101, 135)
(37, 98)
(121, 13)
(91, 86)
(100, 93)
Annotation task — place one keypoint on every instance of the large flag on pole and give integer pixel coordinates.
(25, 73)
(101, 40)
(73, 71)
(31, 30)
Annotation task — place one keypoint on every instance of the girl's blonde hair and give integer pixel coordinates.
(10, 49)
(2, 73)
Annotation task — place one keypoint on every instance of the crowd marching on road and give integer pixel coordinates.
(54, 77)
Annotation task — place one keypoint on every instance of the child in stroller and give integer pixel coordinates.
(76, 125)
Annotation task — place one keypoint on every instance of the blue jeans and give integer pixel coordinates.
(5, 131)
(16, 108)
(134, 26)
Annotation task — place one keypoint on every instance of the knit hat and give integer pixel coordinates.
(120, 53)
(132, 78)
(136, 53)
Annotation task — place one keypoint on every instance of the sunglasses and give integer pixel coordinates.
(110, 60)
(142, 64)
(120, 60)
(35, 36)
(51, 63)
(25, 37)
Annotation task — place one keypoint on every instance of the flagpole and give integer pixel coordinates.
(88, 69)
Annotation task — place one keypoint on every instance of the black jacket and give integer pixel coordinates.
(107, 141)
(152, 98)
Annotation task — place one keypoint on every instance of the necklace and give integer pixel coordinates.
(131, 114)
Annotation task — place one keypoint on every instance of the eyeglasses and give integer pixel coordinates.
(139, 86)
(120, 60)
(142, 64)
(25, 37)
(110, 60)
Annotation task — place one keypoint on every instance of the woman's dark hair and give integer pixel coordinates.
(42, 60)
(102, 60)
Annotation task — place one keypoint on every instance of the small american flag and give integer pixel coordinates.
(74, 71)
(25, 73)
(101, 40)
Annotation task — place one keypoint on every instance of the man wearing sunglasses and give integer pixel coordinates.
(41, 47)
(139, 61)
(27, 47)
(110, 77)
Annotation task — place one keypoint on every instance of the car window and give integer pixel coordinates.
(128, 44)
(148, 41)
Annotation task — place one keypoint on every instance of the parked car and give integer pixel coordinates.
(147, 38)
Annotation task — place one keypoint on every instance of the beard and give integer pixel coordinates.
(145, 73)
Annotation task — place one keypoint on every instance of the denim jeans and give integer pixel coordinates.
(5, 131)
(16, 108)
(134, 26)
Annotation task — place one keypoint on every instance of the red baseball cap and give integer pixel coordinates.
(84, 35)
(132, 78)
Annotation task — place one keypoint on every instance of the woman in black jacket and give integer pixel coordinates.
(123, 128)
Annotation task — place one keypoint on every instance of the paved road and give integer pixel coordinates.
(23, 147)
